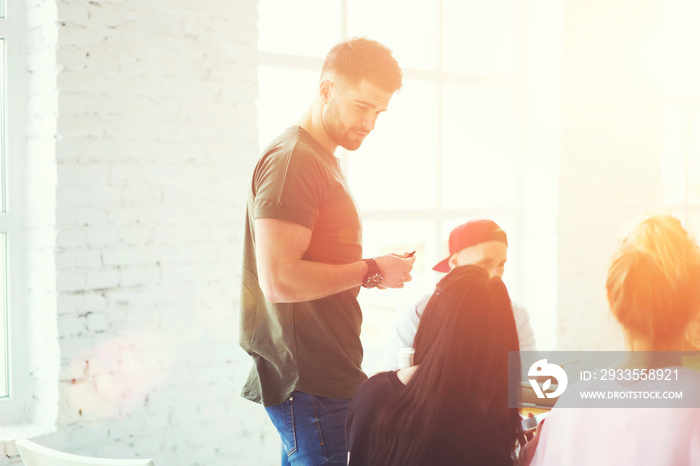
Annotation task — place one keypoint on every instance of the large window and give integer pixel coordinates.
(11, 175)
(681, 156)
(5, 217)
(447, 150)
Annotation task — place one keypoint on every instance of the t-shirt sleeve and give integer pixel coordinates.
(289, 185)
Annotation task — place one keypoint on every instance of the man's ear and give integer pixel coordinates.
(325, 89)
(453, 261)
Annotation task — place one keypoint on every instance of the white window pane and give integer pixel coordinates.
(694, 158)
(412, 33)
(396, 169)
(695, 74)
(4, 376)
(480, 37)
(674, 155)
(304, 27)
(682, 39)
(384, 237)
(284, 96)
(479, 147)
(3, 145)
(693, 47)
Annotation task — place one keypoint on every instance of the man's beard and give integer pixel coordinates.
(335, 130)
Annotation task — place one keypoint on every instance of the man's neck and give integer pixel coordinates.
(312, 122)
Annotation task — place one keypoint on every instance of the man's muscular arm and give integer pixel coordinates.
(285, 277)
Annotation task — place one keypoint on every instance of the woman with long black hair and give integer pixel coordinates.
(451, 406)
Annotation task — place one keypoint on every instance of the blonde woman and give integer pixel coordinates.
(653, 290)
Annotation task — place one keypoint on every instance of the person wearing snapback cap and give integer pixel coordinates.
(479, 242)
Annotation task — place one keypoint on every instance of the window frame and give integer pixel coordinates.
(687, 209)
(439, 215)
(15, 408)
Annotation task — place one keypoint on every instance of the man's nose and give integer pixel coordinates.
(369, 122)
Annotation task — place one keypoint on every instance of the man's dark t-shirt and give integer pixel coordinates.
(313, 346)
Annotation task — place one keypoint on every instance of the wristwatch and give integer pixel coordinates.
(374, 275)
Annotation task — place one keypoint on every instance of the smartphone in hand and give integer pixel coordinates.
(530, 423)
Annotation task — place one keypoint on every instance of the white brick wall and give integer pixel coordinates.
(142, 115)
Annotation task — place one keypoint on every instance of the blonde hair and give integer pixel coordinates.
(653, 283)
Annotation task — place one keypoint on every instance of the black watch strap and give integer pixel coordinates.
(374, 275)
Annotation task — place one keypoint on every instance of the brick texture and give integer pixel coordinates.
(142, 132)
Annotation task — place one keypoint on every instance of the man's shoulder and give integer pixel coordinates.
(291, 157)
(518, 306)
(282, 147)
(519, 311)
(294, 144)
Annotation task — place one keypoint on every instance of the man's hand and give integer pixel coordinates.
(396, 269)
(285, 277)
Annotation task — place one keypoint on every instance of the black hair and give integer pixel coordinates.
(461, 383)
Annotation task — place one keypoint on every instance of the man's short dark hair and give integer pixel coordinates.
(360, 58)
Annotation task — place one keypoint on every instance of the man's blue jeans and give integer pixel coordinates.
(312, 429)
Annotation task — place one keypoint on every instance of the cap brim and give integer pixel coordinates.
(443, 266)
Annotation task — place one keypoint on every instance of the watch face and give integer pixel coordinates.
(373, 280)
